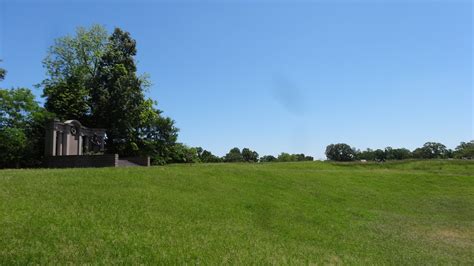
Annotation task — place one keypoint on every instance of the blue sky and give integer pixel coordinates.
(277, 75)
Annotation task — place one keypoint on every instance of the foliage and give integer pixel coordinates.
(431, 150)
(118, 89)
(268, 159)
(249, 155)
(368, 155)
(233, 156)
(340, 152)
(13, 145)
(286, 157)
(21, 128)
(183, 154)
(68, 99)
(397, 154)
(206, 156)
(388, 153)
(465, 150)
(72, 65)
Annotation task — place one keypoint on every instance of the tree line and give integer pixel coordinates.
(430, 150)
(235, 155)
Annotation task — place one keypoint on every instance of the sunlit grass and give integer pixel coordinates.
(417, 212)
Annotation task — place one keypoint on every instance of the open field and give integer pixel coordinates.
(278, 213)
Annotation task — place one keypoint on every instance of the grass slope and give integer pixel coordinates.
(281, 213)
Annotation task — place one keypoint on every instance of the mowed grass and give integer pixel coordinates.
(278, 213)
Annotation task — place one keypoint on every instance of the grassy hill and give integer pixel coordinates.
(278, 213)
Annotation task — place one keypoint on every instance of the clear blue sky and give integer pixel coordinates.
(278, 76)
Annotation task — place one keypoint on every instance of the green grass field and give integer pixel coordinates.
(278, 213)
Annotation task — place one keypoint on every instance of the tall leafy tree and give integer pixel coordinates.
(465, 150)
(72, 65)
(431, 150)
(340, 152)
(234, 155)
(249, 156)
(118, 97)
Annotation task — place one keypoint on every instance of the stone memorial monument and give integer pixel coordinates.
(70, 144)
(72, 138)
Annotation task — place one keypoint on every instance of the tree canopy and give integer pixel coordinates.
(340, 152)
(21, 128)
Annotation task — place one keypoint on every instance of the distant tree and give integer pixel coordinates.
(368, 155)
(234, 155)
(199, 151)
(268, 158)
(249, 155)
(183, 154)
(398, 154)
(430, 150)
(308, 158)
(465, 150)
(286, 157)
(340, 152)
(208, 157)
(449, 153)
(158, 136)
(380, 155)
(388, 151)
(299, 157)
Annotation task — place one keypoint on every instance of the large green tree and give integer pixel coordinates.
(465, 150)
(21, 128)
(233, 156)
(72, 65)
(340, 152)
(118, 97)
(249, 156)
(431, 150)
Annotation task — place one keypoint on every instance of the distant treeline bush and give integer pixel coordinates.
(430, 150)
(235, 155)
(334, 152)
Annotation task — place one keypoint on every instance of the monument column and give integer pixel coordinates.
(65, 141)
(79, 144)
(59, 143)
(51, 142)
